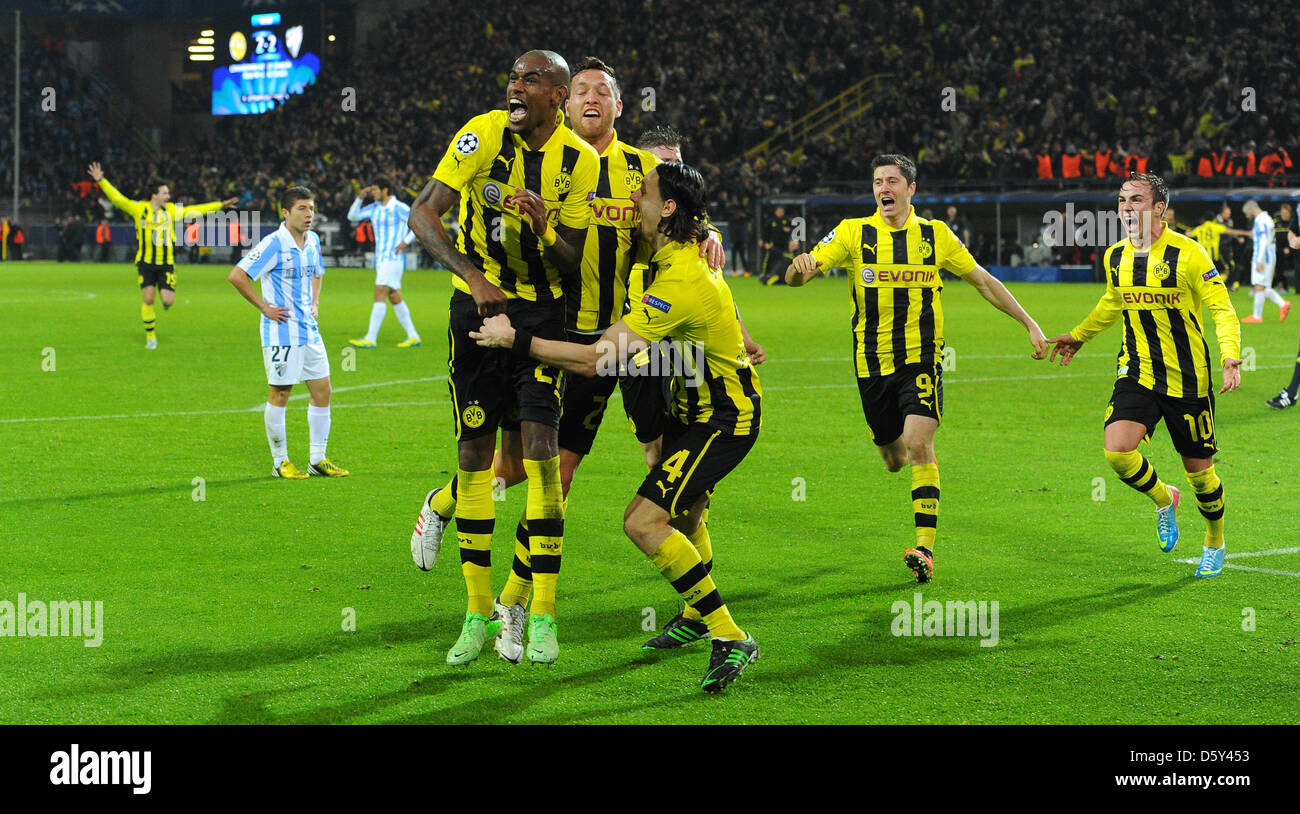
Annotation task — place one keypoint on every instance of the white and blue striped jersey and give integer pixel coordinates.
(1265, 245)
(286, 273)
(390, 226)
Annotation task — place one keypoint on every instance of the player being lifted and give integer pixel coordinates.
(155, 235)
(389, 216)
(715, 413)
(893, 258)
(525, 183)
(592, 299)
(1157, 280)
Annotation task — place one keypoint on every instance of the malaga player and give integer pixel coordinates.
(525, 183)
(894, 258)
(1263, 261)
(288, 262)
(388, 216)
(716, 412)
(155, 236)
(1157, 281)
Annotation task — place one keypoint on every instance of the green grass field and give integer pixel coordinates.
(231, 609)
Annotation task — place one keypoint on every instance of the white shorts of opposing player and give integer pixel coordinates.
(1264, 279)
(294, 364)
(389, 272)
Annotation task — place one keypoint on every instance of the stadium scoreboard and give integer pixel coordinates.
(266, 59)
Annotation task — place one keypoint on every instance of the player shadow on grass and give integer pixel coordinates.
(874, 644)
(134, 491)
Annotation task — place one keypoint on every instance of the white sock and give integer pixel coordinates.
(377, 313)
(275, 434)
(318, 426)
(404, 316)
(1259, 305)
(1274, 297)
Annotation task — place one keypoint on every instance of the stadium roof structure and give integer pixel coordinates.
(1204, 194)
(148, 9)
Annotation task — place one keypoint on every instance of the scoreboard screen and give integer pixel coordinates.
(268, 60)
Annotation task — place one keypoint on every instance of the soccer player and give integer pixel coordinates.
(1287, 397)
(893, 258)
(1262, 261)
(288, 262)
(155, 234)
(593, 298)
(388, 216)
(1157, 280)
(716, 410)
(525, 183)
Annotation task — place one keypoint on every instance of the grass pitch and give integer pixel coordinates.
(232, 608)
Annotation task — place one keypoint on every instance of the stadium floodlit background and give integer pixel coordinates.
(139, 480)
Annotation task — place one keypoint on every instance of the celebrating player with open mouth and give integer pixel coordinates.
(525, 183)
(1157, 280)
(893, 258)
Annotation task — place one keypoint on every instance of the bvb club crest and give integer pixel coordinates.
(562, 182)
(633, 180)
(925, 249)
(1160, 271)
(473, 415)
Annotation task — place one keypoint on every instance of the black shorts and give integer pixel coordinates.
(151, 274)
(1190, 421)
(695, 458)
(584, 404)
(488, 383)
(646, 396)
(915, 389)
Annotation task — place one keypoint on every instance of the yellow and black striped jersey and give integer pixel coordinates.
(1159, 292)
(691, 305)
(595, 299)
(1208, 234)
(895, 284)
(155, 229)
(487, 164)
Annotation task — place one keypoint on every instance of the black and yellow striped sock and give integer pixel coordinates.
(925, 503)
(680, 564)
(148, 316)
(1209, 499)
(545, 514)
(444, 500)
(1137, 471)
(475, 520)
(704, 547)
(520, 582)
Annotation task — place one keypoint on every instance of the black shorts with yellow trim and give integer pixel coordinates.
(915, 389)
(156, 276)
(646, 393)
(695, 459)
(1190, 421)
(487, 384)
(584, 403)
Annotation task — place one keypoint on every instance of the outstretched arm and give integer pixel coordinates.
(1102, 316)
(802, 269)
(992, 289)
(618, 343)
(119, 200)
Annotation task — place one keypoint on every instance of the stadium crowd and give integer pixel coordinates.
(985, 91)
